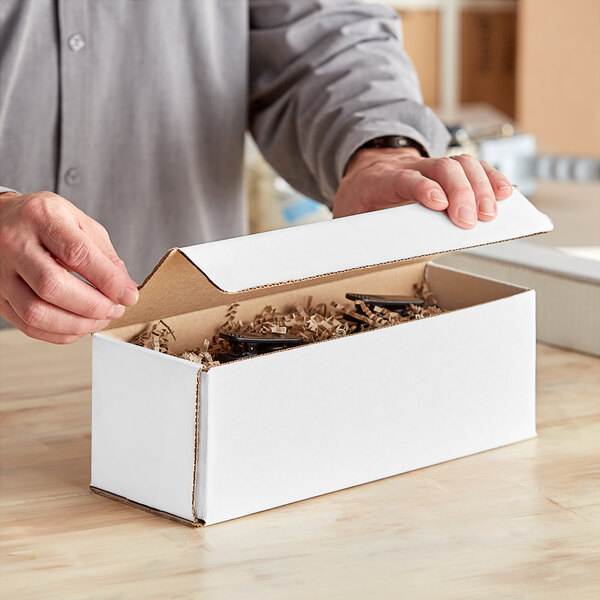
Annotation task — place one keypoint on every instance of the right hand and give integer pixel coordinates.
(44, 237)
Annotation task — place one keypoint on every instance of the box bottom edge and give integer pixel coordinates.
(145, 508)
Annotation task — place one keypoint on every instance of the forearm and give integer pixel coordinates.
(324, 81)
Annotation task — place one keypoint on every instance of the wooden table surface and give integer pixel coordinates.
(517, 522)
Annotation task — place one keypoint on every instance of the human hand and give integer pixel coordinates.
(44, 237)
(379, 178)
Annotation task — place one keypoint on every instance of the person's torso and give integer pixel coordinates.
(134, 110)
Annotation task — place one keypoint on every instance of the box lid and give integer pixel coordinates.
(193, 277)
(374, 238)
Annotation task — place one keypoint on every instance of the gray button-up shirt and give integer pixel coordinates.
(135, 110)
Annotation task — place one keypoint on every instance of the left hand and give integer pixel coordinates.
(379, 178)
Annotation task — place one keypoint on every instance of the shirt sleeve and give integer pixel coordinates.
(326, 76)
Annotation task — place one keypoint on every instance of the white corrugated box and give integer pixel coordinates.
(205, 446)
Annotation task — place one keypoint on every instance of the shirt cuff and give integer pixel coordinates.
(7, 189)
(435, 142)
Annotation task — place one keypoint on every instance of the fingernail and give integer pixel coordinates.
(437, 197)
(467, 215)
(128, 296)
(487, 207)
(116, 311)
(505, 188)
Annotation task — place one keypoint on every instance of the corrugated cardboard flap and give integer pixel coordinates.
(390, 235)
(208, 271)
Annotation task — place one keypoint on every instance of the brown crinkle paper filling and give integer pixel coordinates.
(312, 323)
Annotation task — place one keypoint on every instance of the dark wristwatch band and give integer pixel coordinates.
(395, 141)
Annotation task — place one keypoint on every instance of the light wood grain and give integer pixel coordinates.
(517, 522)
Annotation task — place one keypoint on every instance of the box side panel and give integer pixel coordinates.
(320, 418)
(455, 289)
(143, 425)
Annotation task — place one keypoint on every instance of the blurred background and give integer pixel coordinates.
(517, 82)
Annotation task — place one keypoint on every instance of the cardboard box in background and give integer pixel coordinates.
(421, 32)
(487, 66)
(536, 60)
(487, 54)
(558, 78)
(203, 446)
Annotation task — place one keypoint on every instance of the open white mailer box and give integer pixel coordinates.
(203, 446)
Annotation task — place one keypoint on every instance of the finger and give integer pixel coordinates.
(79, 253)
(54, 284)
(500, 184)
(41, 315)
(390, 186)
(462, 208)
(482, 188)
(12, 317)
(411, 185)
(100, 237)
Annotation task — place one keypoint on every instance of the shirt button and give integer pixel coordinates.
(72, 176)
(76, 42)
